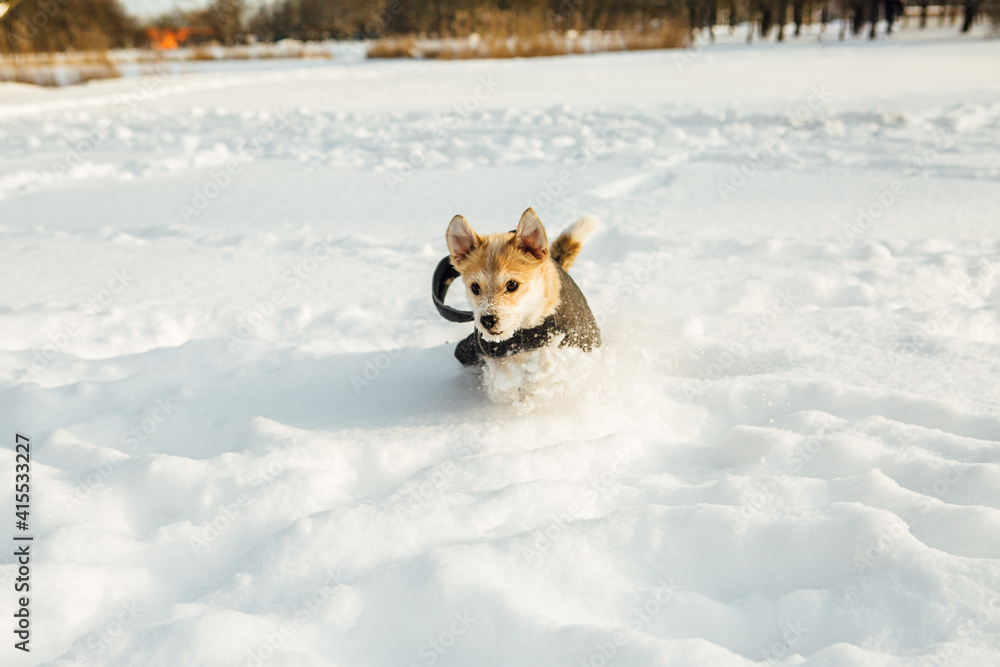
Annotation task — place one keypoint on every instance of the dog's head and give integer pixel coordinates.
(506, 275)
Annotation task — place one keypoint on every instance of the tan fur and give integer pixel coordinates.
(564, 251)
(565, 248)
(496, 260)
(522, 256)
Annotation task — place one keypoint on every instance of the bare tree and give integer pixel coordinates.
(227, 19)
(971, 9)
(80, 25)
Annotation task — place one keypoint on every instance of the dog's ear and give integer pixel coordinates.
(530, 235)
(462, 239)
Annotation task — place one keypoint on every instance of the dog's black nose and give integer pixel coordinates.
(489, 321)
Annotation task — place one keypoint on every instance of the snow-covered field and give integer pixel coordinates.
(252, 445)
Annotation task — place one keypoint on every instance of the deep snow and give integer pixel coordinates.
(252, 444)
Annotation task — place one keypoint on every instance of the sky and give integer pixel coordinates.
(157, 7)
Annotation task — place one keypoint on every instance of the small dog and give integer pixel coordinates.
(522, 298)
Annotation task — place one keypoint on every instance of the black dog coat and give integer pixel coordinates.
(572, 320)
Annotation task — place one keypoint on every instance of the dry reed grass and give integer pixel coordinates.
(506, 34)
(57, 69)
(211, 52)
(202, 53)
(402, 47)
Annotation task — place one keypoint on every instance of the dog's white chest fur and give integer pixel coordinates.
(524, 379)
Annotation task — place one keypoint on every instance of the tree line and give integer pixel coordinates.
(66, 25)
(357, 19)
(347, 19)
(61, 25)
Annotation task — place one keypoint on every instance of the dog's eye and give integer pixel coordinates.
(511, 285)
(475, 288)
